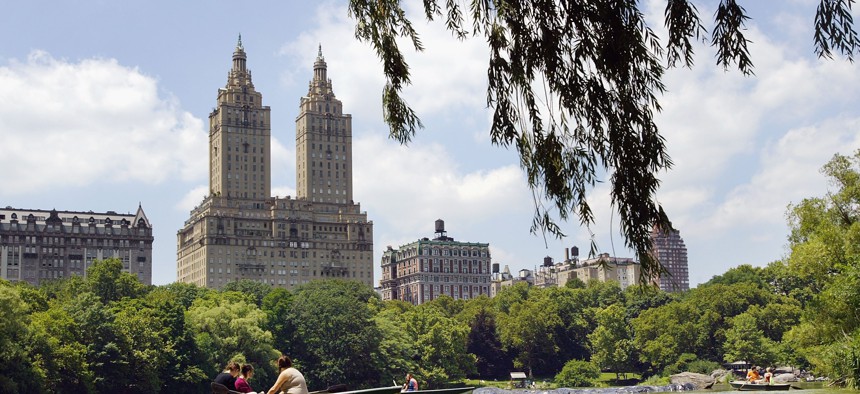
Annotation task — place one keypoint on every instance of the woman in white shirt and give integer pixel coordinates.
(290, 380)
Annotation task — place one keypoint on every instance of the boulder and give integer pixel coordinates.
(719, 375)
(784, 378)
(699, 381)
(779, 370)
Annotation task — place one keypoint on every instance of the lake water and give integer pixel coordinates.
(805, 388)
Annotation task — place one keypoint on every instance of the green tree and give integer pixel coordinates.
(107, 350)
(19, 373)
(741, 274)
(58, 352)
(824, 239)
(577, 373)
(441, 344)
(612, 342)
(181, 366)
(106, 280)
(137, 323)
(528, 331)
(227, 326)
(662, 334)
(491, 360)
(574, 86)
(278, 306)
(335, 333)
(397, 352)
(256, 290)
(744, 341)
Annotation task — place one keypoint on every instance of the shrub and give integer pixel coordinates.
(577, 373)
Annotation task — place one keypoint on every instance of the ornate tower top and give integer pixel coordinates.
(239, 57)
(320, 67)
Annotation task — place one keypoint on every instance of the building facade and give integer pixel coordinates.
(239, 231)
(503, 279)
(428, 268)
(38, 245)
(670, 250)
(602, 268)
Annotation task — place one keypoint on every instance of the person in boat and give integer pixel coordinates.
(242, 385)
(411, 383)
(752, 375)
(290, 380)
(768, 375)
(228, 377)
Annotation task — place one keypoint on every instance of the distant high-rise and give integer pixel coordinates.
(670, 250)
(239, 231)
(38, 245)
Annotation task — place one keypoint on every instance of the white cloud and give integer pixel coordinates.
(76, 123)
(449, 77)
(192, 199)
(410, 187)
(283, 191)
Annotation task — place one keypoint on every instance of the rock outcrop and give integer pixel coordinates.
(784, 378)
(699, 381)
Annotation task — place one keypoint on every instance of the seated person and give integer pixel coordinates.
(411, 383)
(753, 375)
(242, 385)
(768, 376)
(228, 377)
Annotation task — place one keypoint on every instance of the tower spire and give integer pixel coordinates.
(320, 67)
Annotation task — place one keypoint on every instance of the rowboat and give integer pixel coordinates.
(452, 390)
(749, 386)
(376, 390)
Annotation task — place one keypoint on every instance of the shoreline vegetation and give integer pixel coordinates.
(106, 331)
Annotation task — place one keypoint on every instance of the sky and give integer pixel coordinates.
(104, 106)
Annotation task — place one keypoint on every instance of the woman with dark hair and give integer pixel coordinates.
(290, 380)
(228, 377)
(242, 385)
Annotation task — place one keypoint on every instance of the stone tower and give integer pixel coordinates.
(240, 137)
(323, 143)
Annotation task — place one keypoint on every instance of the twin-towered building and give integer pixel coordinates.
(239, 231)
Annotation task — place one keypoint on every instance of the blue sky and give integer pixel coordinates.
(104, 105)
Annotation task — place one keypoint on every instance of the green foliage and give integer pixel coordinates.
(441, 346)
(107, 281)
(741, 274)
(278, 306)
(19, 375)
(528, 330)
(577, 373)
(491, 359)
(227, 326)
(612, 342)
(334, 333)
(689, 362)
(256, 290)
(825, 256)
(574, 283)
(396, 352)
(655, 380)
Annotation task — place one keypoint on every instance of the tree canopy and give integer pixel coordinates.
(574, 87)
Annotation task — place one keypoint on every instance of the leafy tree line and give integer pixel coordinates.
(106, 332)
